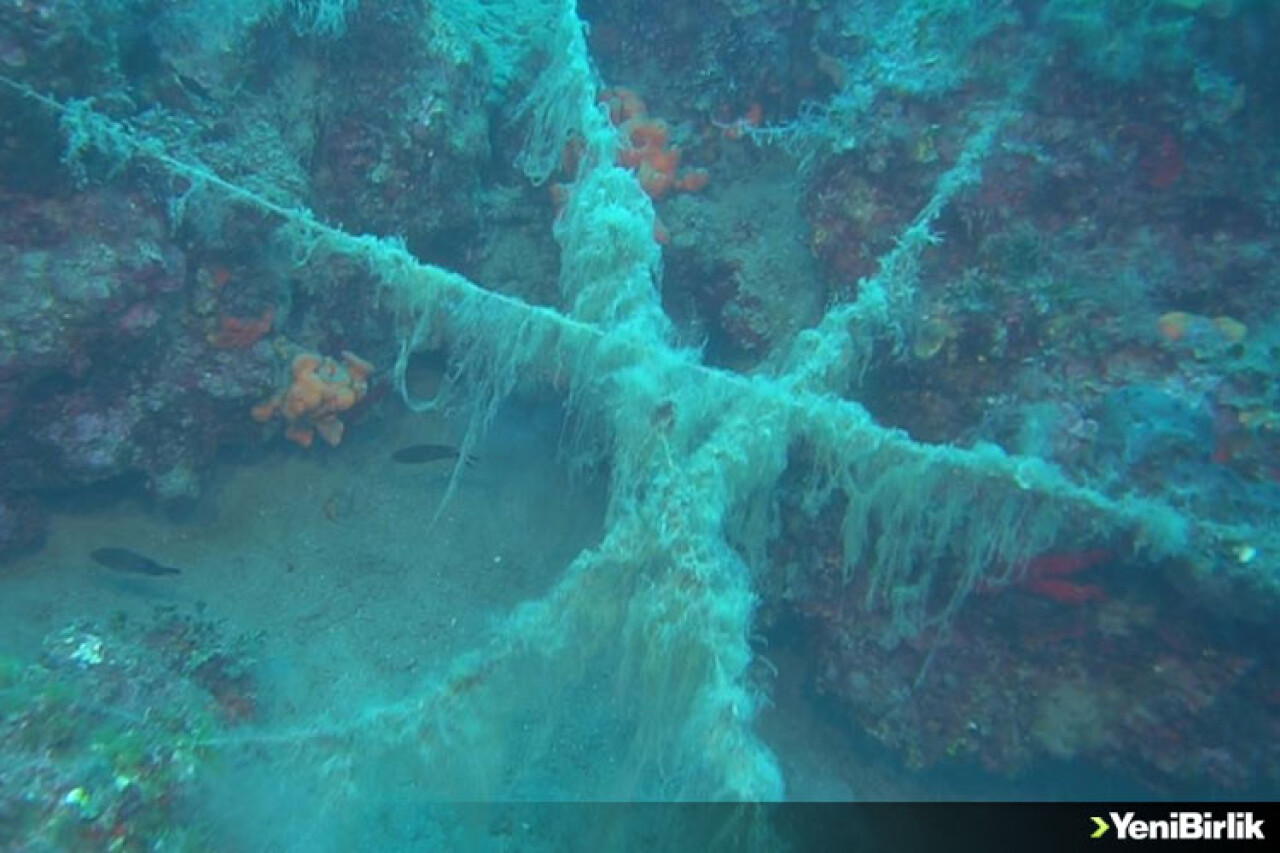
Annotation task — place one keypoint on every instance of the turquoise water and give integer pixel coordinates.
(492, 404)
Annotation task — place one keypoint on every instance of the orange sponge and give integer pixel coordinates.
(320, 389)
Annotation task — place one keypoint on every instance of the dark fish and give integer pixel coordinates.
(420, 454)
(124, 560)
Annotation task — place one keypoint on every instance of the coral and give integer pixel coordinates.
(321, 388)
(242, 332)
(1050, 576)
(649, 150)
(99, 736)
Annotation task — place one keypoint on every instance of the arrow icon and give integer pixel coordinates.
(1103, 826)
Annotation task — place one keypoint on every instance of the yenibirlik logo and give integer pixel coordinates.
(1182, 826)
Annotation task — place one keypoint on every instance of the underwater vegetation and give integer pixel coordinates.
(935, 343)
(102, 735)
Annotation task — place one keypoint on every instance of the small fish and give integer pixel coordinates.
(124, 560)
(420, 454)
